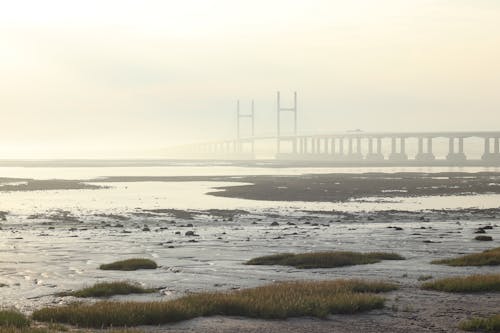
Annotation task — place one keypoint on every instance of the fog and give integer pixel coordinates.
(131, 78)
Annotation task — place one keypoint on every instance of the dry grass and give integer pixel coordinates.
(106, 289)
(50, 329)
(130, 265)
(489, 324)
(424, 277)
(13, 318)
(276, 301)
(485, 258)
(324, 259)
(12, 329)
(467, 284)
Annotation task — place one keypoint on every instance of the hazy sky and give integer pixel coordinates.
(83, 78)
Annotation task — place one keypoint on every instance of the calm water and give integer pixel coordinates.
(125, 197)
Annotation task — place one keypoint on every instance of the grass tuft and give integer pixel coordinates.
(12, 329)
(13, 318)
(50, 329)
(467, 284)
(489, 324)
(424, 277)
(324, 259)
(275, 301)
(107, 289)
(485, 258)
(484, 238)
(130, 265)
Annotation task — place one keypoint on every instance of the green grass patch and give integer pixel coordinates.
(130, 265)
(489, 324)
(324, 259)
(275, 301)
(13, 318)
(467, 284)
(485, 258)
(106, 289)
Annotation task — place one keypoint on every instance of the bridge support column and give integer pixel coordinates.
(341, 148)
(355, 155)
(456, 156)
(326, 150)
(487, 153)
(425, 156)
(374, 156)
(492, 156)
(401, 155)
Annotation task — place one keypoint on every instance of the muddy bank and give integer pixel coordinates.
(343, 187)
(308, 188)
(11, 185)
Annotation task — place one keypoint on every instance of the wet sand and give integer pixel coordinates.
(341, 187)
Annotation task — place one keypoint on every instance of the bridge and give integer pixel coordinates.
(355, 147)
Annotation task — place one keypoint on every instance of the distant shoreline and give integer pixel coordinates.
(263, 163)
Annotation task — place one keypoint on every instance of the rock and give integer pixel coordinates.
(190, 233)
(274, 224)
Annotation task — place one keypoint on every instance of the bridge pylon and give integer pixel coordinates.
(280, 110)
(238, 147)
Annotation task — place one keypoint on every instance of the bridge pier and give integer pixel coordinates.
(372, 156)
(401, 155)
(340, 154)
(354, 155)
(456, 156)
(427, 155)
(488, 155)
